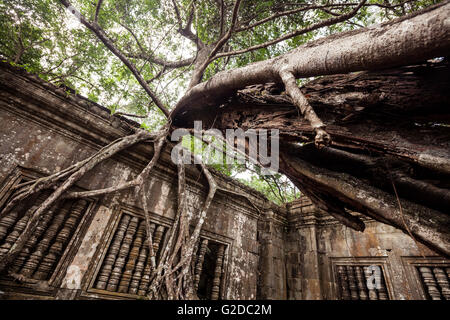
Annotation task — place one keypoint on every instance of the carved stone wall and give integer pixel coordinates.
(332, 260)
(96, 248)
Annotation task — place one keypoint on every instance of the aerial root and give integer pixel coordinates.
(173, 278)
(322, 138)
(72, 174)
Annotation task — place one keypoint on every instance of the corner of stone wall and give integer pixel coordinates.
(265, 289)
(302, 254)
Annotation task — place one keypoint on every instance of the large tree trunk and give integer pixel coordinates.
(407, 40)
(390, 152)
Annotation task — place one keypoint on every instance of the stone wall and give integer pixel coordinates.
(45, 129)
(326, 257)
(95, 248)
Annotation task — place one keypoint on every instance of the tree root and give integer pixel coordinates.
(322, 138)
(428, 226)
(336, 210)
(74, 173)
(173, 278)
(161, 272)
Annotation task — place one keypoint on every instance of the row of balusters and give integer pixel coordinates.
(126, 267)
(44, 248)
(436, 282)
(352, 281)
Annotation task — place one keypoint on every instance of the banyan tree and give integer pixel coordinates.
(368, 134)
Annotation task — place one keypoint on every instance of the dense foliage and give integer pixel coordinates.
(45, 38)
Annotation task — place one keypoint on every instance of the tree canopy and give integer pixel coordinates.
(164, 38)
(172, 45)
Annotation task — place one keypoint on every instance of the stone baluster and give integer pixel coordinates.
(223, 277)
(140, 265)
(442, 281)
(145, 281)
(62, 238)
(430, 283)
(199, 264)
(122, 256)
(159, 232)
(217, 273)
(35, 258)
(143, 286)
(382, 291)
(31, 242)
(110, 259)
(361, 283)
(7, 221)
(134, 253)
(157, 239)
(19, 227)
(10, 219)
(372, 291)
(343, 282)
(352, 283)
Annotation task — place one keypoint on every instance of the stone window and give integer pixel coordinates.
(125, 268)
(209, 274)
(429, 277)
(361, 282)
(361, 278)
(435, 281)
(47, 251)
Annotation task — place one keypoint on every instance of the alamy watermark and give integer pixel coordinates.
(74, 11)
(373, 276)
(261, 147)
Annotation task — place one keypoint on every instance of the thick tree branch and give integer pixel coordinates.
(428, 226)
(413, 38)
(186, 31)
(97, 10)
(295, 33)
(206, 55)
(98, 31)
(154, 59)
